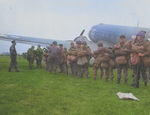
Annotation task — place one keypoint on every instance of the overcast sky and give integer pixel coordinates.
(65, 19)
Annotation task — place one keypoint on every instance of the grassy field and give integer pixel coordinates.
(37, 92)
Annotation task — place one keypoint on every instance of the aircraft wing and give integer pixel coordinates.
(33, 40)
(47, 42)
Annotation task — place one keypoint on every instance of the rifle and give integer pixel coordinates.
(137, 76)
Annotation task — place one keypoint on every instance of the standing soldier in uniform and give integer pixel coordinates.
(39, 53)
(30, 56)
(83, 62)
(13, 55)
(97, 63)
(111, 68)
(139, 68)
(54, 53)
(103, 61)
(65, 61)
(87, 50)
(123, 67)
(48, 58)
(79, 48)
(61, 58)
(74, 66)
(45, 50)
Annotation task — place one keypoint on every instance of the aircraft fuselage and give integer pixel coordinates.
(111, 33)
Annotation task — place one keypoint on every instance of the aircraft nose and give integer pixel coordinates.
(92, 35)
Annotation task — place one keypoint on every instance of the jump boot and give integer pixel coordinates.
(126, 81)
(145, 84)
(137, 85)
(9, 70)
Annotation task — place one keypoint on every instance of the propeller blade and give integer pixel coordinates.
(82, 32)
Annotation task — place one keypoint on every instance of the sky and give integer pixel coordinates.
(65, 19)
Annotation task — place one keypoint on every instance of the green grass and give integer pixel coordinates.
(37, 92)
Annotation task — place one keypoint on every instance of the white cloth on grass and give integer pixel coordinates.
(127, 96)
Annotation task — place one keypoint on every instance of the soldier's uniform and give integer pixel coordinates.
(121, 67)
(97, 64)
(73, 64)
(39, 54)
(139, 68)
(47, 64)
(54, 50)
(13, 55)
(65, 61)
(148, 71)
(48, 58)
(79, 66)
(88, 56)
(30, 56)
(83, 69)
(109, 71)
(111, 75)
(62, 59)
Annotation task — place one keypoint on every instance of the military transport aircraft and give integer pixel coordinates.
(108, 34)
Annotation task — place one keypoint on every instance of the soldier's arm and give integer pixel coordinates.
(117, 46)
(147, 48)
(147, 53)
(88, 51)
(127, 45)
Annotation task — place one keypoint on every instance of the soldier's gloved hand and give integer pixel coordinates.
(140, 54)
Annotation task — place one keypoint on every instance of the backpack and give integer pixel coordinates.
(137, 49)
(104, 65)
(121, 52)
(121, 60)
(111, 63)
(105, 57)
(135, 59)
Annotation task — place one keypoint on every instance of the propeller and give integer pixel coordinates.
(80, 35)
(82, 32)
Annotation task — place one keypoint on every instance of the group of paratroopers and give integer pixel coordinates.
(124, 55)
